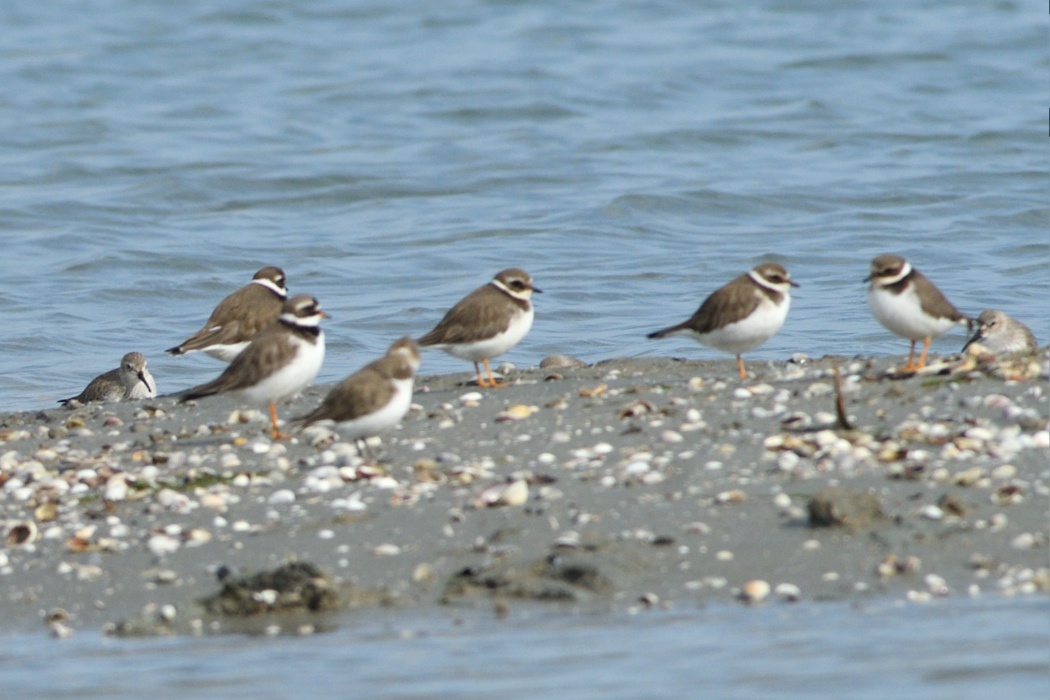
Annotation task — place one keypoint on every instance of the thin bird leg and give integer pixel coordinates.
(481, 380)
(911, 359)
(740, 366)
(492, 380)
(925, 348)
(276, 433)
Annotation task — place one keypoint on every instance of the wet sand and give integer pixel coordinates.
(621, 486)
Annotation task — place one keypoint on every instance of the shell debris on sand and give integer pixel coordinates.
(666, 486)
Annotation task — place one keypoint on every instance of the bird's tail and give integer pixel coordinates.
(197, 392)
(664, 332)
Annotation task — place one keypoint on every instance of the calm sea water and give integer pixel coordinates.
(954, 650)
(393, 155)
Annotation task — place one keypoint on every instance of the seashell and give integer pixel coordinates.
(281, 496)
(21, 534)
(638, 408)
(936, 585)
(78, 544)
(116, 488)
(513, 494)
(1025, 540)
(697, 527)
(788, 592)
(197, 536)
(593, 391)
(423, 573)
(515, 412)
(174, 501)
(932, 512)
(46, 512)
(386, 550)
(1007, 494)
(568, 540)
(471, 397)
(649, 600)
(108, 544)
(754, 592)
(734, 496)
(267, 597)
(162, 544)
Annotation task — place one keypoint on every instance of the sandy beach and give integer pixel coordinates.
(623, 485)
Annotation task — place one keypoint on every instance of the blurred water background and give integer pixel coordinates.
(392, 156)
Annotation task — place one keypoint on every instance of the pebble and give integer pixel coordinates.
(1025, 540)
(281, 496)
(671, 436)
(932, 512)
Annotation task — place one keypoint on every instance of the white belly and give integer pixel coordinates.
(903, 314)
(746, 335)
(293, 377)
(495, 346)
(386, 417)
(226, 353)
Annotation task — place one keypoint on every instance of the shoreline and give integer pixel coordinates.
(624, 485)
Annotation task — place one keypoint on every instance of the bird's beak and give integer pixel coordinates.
(142, 378)
(793, 283)
(537, 290)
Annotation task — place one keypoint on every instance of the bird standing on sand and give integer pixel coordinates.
(741, 315)
(281, 360)
(487, 322)
(903, 300)
(372, 399)
(238, 317)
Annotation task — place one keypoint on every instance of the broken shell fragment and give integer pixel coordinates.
(21, 534)
(513, 494)
(515, 412)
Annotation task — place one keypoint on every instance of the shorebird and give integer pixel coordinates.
(741, 315)
(1001, 334)
(281, 360)
(238, 317)
(487, 322)
(372, 399)
(904, 301)
(131, 380)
